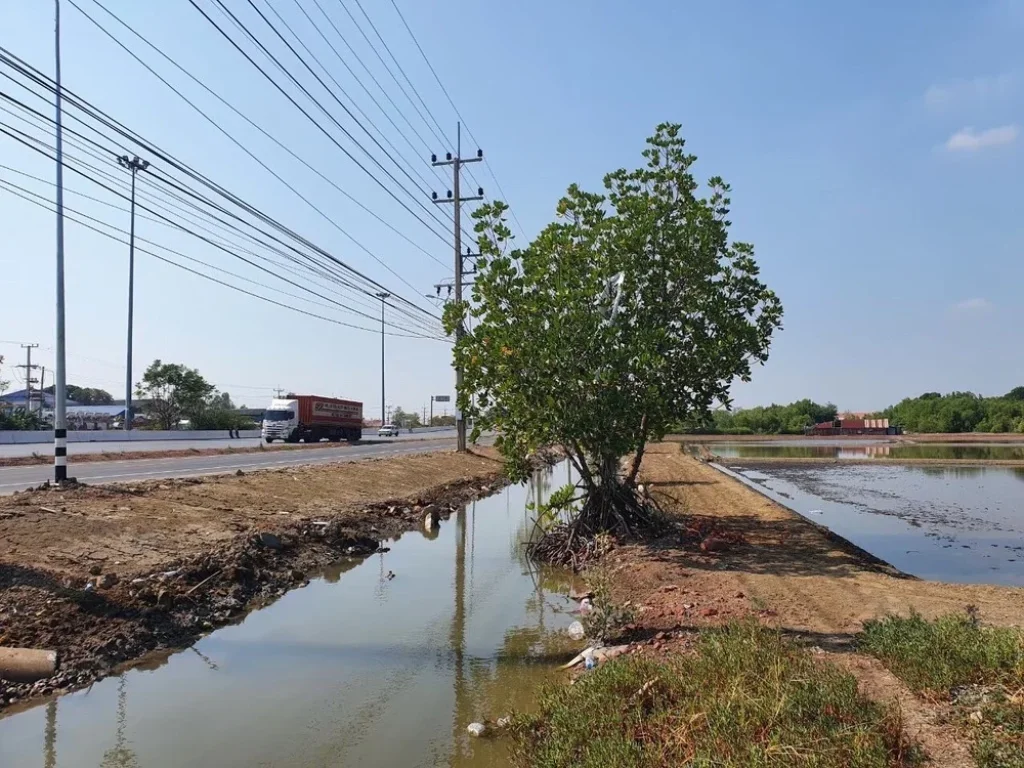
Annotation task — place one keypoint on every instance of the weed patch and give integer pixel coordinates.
(746, 697)
(979, 670)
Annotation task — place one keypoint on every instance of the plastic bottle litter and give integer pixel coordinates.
(476, 729)
(589, 659)
(576, 631)
(586, 606)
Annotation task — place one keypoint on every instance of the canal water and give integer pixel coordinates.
(868, 449)
(954, 524)
(379, 662)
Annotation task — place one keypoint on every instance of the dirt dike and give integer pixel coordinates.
(108, 574)
(46, 456)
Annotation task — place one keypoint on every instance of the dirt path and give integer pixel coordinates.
(789, 572)
(106, 574)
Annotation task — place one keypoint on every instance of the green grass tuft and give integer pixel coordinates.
(746, 698)
(980, 669)
(950, 651)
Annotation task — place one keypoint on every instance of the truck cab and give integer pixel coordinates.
(281, 421)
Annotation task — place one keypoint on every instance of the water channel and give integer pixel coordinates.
(359, 668)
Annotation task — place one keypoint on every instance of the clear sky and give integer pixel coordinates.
(874, 151)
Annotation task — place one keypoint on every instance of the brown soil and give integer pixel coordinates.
(105, 574)
(771, 564)
(46, 456)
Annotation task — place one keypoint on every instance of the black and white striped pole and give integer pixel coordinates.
(60, 423)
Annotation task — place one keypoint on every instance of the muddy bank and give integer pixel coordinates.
(107, 574)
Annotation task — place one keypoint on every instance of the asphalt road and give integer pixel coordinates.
(18, 478)
(46, 449)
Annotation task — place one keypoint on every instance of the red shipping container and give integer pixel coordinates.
(315, 410)
(853, 424)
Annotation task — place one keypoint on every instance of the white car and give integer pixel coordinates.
(388, 430)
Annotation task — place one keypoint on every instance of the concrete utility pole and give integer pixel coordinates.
(28, 375)
(60, 420)
(457, 199)
(134, 165)
(383, 411)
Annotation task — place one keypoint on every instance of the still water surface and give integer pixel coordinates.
(799, 449)
(956, 524)
(355, 669)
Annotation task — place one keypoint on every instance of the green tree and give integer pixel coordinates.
(630, 313)
(403, 418)
(174, 392)
(85, 395)
(3, 384)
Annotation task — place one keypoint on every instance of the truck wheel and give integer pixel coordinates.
(270, 440)
(334, 438)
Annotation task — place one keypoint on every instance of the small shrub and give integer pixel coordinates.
(607, 617)
(746, 698)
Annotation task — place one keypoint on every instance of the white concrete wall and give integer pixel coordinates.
(119, 436)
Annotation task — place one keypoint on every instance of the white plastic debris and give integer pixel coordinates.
(589, 659)
(576, 631)
(586, 606)
(476, 729)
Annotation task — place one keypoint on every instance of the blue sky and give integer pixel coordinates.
(874, 151)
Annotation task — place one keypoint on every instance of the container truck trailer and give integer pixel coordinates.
(312, 418)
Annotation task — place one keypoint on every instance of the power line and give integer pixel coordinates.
(13, 189)
(323, 109)
(455, 108)
(252, 123)
(111, 124)
(187, 230)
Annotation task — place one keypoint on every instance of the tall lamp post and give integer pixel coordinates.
(134, 165)
(383, 411)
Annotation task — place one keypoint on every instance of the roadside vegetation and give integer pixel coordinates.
(960, 412)
(979, 670)
(632, 311)
(746, 697)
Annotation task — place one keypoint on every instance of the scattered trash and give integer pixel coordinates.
(815, 512)
(976, 716)
(576, 631)
(476, 729)
(504, 722)
(107, 580)
(589, 660)
(391, 575)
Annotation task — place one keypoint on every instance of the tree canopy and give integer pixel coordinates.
(765, 420)
(631, 312)
(960, 412)
(174, 392)
(85, 395)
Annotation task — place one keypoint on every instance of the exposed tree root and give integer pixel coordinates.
(616, 510)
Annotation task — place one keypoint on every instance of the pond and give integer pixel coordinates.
(380, 662)
(806, 449)
(956, 524)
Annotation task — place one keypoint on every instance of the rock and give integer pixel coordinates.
(269, 540)
(477, 729)
(431, 517)
(107, 580)
(668, 587)
(709, 612)
(576, 631)
(95, 570)
(298, 575)
(660, 636)
(976, 717)
(239, 473)
(740, 595)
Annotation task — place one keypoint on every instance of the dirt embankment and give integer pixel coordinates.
(45, 454)
(106, 574)
(772, 564)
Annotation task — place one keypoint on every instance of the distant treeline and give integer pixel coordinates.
(960, 412)
(931, 412)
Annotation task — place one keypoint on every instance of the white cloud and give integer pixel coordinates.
(976, 304)
(964, 92)
(970, 140)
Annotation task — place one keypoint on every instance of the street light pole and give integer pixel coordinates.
(134, 165)
(60, 422)
(383, 411)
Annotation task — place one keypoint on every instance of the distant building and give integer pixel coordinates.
(844, 426)
(19, 399)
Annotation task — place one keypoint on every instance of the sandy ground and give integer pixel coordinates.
(107, 574)
(788, 572)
